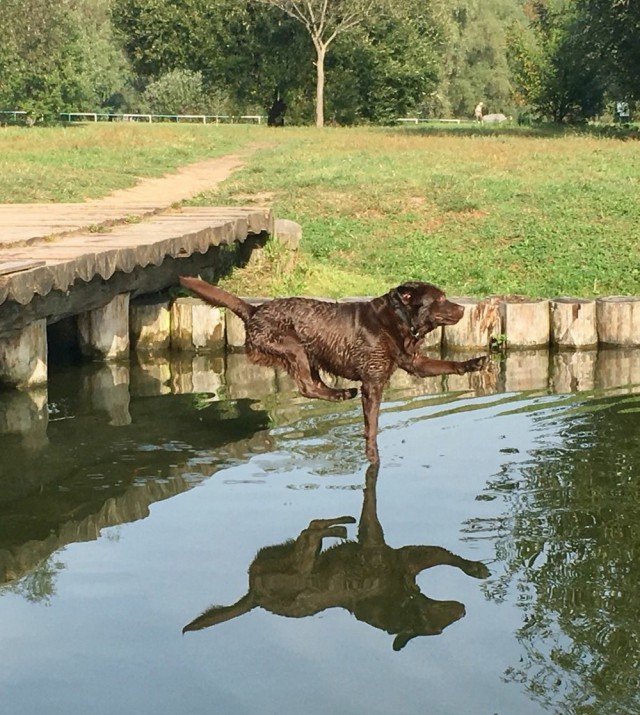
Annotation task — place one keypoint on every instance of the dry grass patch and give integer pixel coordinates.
(259, 197)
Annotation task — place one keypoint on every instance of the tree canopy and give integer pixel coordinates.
(324, 21)
(343, 61)
(58, 55)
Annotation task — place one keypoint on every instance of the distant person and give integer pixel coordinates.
(477, 112)
(275, 117)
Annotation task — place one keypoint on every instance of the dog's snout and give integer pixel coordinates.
(454, 311)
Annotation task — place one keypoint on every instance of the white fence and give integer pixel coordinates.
(197, 118)
(117, 117)
(423, 120)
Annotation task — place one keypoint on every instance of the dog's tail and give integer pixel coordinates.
(216, 296)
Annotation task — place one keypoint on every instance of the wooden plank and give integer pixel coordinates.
(7, 267)
(77, 273)
(65, 294)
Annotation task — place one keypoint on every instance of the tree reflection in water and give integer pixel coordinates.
(374, 582)
(570, 544)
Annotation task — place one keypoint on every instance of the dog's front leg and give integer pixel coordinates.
(371, 398)
(422, 366)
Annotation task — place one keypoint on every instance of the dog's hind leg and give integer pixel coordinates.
(348, 393)
(289, 352)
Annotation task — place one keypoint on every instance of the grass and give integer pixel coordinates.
(478, 211)
(86, 161)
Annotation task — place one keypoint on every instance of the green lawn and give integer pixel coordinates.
(86, 161)
(478, 211)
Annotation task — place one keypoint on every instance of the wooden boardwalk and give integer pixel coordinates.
(39, 268)
(26, 224)
(80, 271)
(62, 259)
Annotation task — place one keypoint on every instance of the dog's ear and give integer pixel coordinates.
(406, 293)
(401, 640)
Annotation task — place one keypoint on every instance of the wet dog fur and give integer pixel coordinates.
(363, 340)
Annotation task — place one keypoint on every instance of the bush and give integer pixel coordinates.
(177, 92)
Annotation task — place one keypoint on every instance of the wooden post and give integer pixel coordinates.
(150, 376)
(526, 370)
(197, 373)
(573, 371)
(235, 332)
(150, 326)
(288, 233)
(23, 359)
(107, 390)
(285, 383)
(401, 381)
(573, 323)
(618, 319)
(24, 412)
(479, 383)
(525, 322)
(245, 379)
(104, 332)
(196, 326)
(479, 324)
(618, 368)
(433, 341)
(234, 326)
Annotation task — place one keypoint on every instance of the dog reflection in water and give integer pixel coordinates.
(371, 580)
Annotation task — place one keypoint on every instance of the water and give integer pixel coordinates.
(134, 499)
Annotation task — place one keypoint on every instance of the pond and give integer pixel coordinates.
(491, 565)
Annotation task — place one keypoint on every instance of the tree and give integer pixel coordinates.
(241, 49)
(58, 55)
(39, 55)
(570, 540)
(324, 20)
(383, 65)
(474, 56)
(177, 92)
(614, 31)
(386, 68)
(555, 67)
(105, 72)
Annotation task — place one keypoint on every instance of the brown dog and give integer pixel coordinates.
(365, 340)
(367, 577)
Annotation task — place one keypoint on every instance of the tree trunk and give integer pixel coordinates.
(321, 51)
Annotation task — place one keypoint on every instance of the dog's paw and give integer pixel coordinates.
(476, 569)
(476, 364)
(338, 532)
(349, 393)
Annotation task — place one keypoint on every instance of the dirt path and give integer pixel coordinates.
(187, 182)
(26, 224)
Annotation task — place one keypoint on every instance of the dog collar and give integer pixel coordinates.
(401, 311)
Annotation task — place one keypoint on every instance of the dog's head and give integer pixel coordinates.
(424, 307)
(422, 616)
